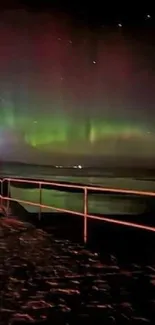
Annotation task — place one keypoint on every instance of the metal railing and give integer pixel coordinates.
(85, 189)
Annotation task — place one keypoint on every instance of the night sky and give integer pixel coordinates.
(74, 89)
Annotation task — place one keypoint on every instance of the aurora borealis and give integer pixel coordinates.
(69, 91)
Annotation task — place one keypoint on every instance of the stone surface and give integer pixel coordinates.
(44, 279)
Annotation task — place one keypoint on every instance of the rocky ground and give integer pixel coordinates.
(44, 280)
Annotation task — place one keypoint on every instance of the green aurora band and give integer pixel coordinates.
(57, 131)
(60, 131)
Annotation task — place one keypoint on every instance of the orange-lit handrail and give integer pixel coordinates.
(89, 216)
(82, 187)
(85, 188)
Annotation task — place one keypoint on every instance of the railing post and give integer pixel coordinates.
(40, 201)
(85, 214)
(1, 192)
(8, 201)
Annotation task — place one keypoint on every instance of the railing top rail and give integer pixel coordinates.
(30, 181)
(82, 187)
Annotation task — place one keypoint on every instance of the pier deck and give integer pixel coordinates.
(48, 279)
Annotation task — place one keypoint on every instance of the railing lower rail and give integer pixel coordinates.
(83, 214)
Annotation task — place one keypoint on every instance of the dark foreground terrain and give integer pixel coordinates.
(47, 280)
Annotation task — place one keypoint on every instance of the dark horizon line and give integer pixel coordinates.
(110, 166)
